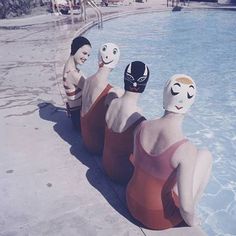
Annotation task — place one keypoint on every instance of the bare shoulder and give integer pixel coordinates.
(112, 102)
(113, 93)
(116, 91)
(151, 127)
(187, 152)
(140, 127)
(113, 105)
(144, 128)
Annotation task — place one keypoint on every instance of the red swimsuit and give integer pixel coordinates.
(149, 195)
(117, 150)
(93, 124)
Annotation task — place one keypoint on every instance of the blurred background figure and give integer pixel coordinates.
(62, 7)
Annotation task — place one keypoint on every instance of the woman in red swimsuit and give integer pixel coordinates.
(170, 173)
(122, 118)
(95, 99)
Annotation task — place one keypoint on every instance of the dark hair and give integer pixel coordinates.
(77, 43)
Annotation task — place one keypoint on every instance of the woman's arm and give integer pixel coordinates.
(78, 78)
(186, 156)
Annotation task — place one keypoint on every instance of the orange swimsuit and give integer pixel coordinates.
(150, 197)
(93, 124)
(117, 150)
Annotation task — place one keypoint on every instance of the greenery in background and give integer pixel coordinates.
(12, 8)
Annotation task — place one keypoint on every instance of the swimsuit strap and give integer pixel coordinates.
(170, 150)
(108, 87)
(137, 122)
(105, 91)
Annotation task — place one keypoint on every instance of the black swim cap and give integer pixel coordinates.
(77, 43)
(136, 77)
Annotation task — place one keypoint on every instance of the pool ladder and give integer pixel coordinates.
(98, 12)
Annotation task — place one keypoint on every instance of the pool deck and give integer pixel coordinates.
(49, 184)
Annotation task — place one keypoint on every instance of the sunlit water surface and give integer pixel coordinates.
(201, 44)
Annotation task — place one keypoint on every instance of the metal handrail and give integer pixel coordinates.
(98, 12)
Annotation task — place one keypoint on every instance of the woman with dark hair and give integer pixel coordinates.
(122, 118)
(73, 77)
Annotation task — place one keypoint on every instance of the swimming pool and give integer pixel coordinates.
(201, 44)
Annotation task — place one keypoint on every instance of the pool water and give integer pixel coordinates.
(202, 44)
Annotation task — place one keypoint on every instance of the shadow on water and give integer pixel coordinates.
(113, 193)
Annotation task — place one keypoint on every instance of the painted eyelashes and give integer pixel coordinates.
(174, 93)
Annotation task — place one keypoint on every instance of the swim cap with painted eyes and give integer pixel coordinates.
(109, 55)
(179, 93)
(136, 77)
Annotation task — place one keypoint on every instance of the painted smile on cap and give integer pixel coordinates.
(106, 63)
(179, 108)
(179, 93)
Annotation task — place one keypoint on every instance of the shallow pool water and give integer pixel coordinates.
(201, 44)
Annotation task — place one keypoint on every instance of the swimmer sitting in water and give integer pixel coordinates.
(73, 77)
(122, 117)
(95, 96)
(170, 173)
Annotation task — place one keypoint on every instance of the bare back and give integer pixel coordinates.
(121, 114)
(158, 135)
(93, 87)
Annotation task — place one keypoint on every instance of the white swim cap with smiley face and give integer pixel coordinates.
(109, 55)
(179, 93)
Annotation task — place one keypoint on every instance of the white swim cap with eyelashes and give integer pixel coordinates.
(108, 55)
(179, 93)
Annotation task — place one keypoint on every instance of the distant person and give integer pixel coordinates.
(170, 173)
(105, 3)
(83, 9)
(94, 97)
(62, 7)
(122, 117)
(74, 79)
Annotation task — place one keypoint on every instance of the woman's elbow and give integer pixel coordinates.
(187, 209)
(187, 212)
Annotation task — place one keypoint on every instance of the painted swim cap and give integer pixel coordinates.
(108, 55)
(136, 77)
(179, 93)
(77, 43)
